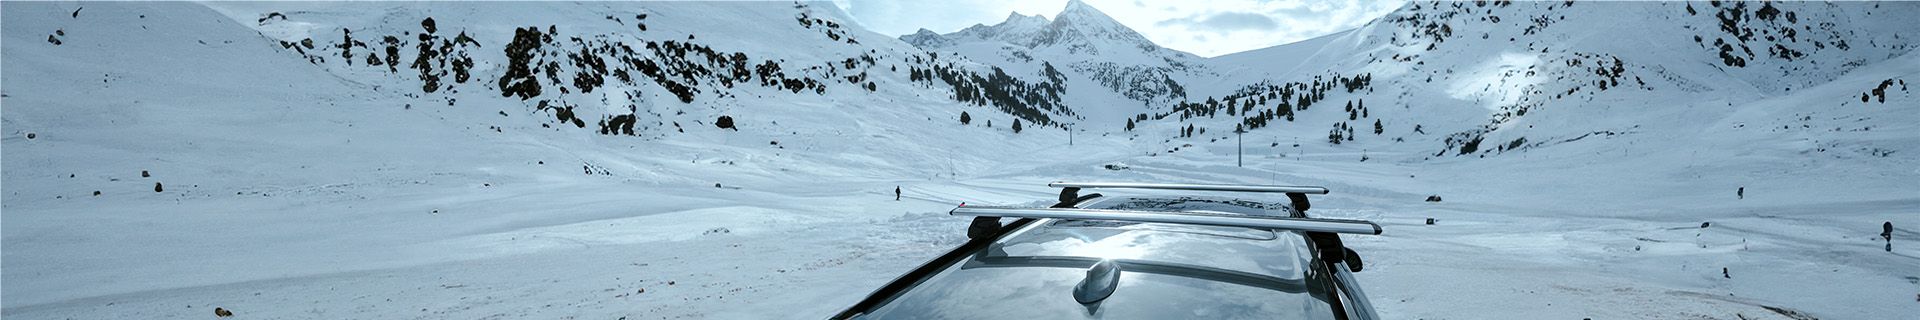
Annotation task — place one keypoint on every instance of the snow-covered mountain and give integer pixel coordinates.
(1112, 72)
(610, 71)
(554, 160)
(1523, 75)
(1018, 29)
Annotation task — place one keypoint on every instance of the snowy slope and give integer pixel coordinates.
(298, 185)
(1545, 71)
(1594, 142)
(1611, 226)
(276, 168)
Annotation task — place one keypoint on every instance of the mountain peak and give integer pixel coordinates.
(1015, 19)
(1080, 10)
(1077, 5)
(1078, 29)
(1080, 24)
(926, 39)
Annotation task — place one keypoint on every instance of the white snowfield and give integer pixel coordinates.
(278, 187)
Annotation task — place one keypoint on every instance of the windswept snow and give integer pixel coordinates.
(299, 186)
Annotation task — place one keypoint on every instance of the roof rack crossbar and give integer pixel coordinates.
(1188, 186)
(1191, 218)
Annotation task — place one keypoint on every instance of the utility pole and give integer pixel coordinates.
(1240, 150)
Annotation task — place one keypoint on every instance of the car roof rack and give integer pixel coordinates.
(1296, 195)
(1190, 186)
(1176, 217)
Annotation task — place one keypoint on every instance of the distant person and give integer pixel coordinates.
(896, 193)
(1887, 234)
(1742, 193)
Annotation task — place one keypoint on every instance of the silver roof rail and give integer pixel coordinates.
(1192, 218)
(1362, 308)
(1189, 186)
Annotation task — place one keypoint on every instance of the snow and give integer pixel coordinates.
(303, 190)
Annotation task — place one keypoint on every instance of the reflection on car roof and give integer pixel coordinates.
(1210, 272)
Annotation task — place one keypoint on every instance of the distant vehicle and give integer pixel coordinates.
(1138, 257)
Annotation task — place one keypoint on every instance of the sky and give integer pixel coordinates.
(1207, 28)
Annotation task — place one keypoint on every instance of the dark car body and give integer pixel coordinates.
(1031, 269)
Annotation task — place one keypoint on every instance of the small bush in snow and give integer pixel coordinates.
(519, 78)
(428, 25)
(620, 124)
(1471, 145)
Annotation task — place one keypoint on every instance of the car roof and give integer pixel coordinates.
(1167, 271)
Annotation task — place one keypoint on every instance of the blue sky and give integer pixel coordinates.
(1207, 28)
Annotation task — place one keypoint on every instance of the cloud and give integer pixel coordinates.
(1224, 22)
(1229, 25)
